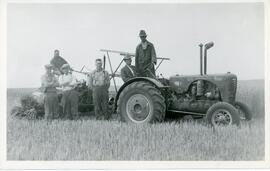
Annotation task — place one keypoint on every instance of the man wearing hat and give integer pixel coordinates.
(70, 97)
(99, 82)
(49, 83)
(128, 71)
(145, 57)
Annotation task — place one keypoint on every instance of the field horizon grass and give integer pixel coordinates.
(89, 139)
(84, 140)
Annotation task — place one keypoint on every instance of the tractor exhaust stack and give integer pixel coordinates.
(206, 47)
(201, 58)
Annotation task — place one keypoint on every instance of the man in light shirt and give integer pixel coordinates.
(99, 82)
(128, 71)
(70, 98)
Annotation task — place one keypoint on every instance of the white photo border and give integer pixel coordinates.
(4, 164)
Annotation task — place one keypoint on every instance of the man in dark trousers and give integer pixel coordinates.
(49, 84)
(57, 62)
(145, 57)
(99, 82)
(128, 71)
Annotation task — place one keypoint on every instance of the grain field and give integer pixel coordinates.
(88, 139)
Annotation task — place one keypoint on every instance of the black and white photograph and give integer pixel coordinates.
(170, 84)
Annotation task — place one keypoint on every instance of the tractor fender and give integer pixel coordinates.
(152, 81)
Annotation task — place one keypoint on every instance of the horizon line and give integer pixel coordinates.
(257, 79)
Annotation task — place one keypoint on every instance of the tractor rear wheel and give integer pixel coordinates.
(243, 111)
(222, 114)
(141, 102)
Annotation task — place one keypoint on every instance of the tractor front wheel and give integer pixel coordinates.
(243, 111)
(222, 114)
(140, 102)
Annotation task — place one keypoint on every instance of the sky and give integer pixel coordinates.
(79, 31)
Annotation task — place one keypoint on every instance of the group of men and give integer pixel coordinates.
(145, 60)
(59, 76)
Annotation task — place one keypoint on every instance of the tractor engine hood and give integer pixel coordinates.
(227, 83)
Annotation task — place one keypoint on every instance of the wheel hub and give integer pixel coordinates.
(222, 117)
(138, 108)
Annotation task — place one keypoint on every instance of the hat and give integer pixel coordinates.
(48, 66)
(65, 66)
(127, 57)
(142, 33)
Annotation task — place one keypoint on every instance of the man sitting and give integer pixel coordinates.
(128, 71)
(57, 62)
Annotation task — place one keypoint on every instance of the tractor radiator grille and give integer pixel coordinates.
(234, 82)
(233, 90)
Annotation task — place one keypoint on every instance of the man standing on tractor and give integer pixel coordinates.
(57, 62)
(99, 83)
(49, 83)
(145, 57)
(128, 71)
(70, 97)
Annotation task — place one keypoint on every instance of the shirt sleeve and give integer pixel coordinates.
(67, 80)
(73, 80)
(56, 83)
(60, 80)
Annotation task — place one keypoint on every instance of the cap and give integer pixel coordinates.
(65, 66)
(142, 33)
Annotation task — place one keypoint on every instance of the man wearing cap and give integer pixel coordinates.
(99, 82)
(70, 97)
(128, 71)
(57, 62)
(145, 57)
(49, 83)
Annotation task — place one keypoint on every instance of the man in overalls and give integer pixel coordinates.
(99, 82)
(145, 57)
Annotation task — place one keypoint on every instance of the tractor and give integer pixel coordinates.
(147, 100)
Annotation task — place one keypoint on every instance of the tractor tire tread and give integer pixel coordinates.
(157, 100)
